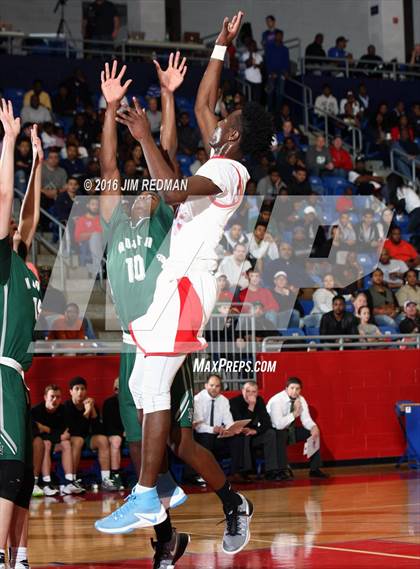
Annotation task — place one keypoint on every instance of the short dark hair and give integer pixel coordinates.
(273, 169)
(77, 381)
(219, 377)
(257, 129)
(339, 297)
(51, 387)
(293, 379)
(70, 304)
(409, 271)
(270, 17)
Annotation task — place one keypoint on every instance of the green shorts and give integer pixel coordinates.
(15, 418)
(182, 395)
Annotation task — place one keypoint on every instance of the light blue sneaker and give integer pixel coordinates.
(170, 494)
(138, 511)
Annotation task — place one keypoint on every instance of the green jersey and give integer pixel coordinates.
(20, 304)
(134, 259)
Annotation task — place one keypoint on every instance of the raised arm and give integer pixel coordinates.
(11, 128)
(138, 124)
(113, 92)
(207, 91)
(169, 81)
(29, 213)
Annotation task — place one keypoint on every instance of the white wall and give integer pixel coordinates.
(298, 18)
(416, 20)
(386, 29)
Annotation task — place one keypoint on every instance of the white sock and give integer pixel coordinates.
(105, 474)
(69, 477)
(17, 554)
(46, 479)
(139, 489)
(36, 482)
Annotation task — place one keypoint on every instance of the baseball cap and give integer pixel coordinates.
(280, 274)
(309, 209)
(408, 302)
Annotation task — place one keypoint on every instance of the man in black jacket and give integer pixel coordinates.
(51, 434)
(259, 431)
(338, 322)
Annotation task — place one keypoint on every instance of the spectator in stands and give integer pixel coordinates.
(284, 115)
(284, 409)
(201, 158)
(300, 185)
(253, 63)
(82, 130)
(259, 432)
(73, 165)
(212, 418)
(114, 430)
(43, 96)
(154, 116)
(393, 269)
(286, 262)
(415, 55)
(411, 321)
(53, 181)
(315, 50)
(410, 290)
(101, 23)
(363, 98)
(402, 250)
(366, 328)
(347, 232)
(350, 98)
(289, 132)
(235, 267)
(232, 237)
(368, 233)
(34, 112)
(269, 35)
(378, 138)
(410, 148)
(326, 102)
(64, 104)
(188, 137)
(370, 60)
(365, 180)
(88, 234)
(318, 159)
(66, 200)
(382, 300)
(23, 163)
(225, 295)
(86, 428)
(288, 315)
(254, 293)
(323, 301)
(49, 423)
(338, 322)
(402, 124)
(359, 299)
(261, 245)
(339, 50)
(415, 119)
(277, 64)
(340, 157)
(397, 112)
(270, 184)
(68, 326)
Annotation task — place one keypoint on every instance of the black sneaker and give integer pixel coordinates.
(167, 554)
(2, 561)
(284, 476)
(318, 474)
(237, 533)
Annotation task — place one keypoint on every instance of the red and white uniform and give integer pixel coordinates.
(186, 290)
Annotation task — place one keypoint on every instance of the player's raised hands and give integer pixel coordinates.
(11, 125)
(136, 120)
(37, 151)
(173, 76)
(230, 29)
(111, 86)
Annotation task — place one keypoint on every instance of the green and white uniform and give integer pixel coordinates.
(134, 262)
(20, 303)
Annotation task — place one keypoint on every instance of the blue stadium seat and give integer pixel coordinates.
(312, 331)
(307, 306)
(387, 330)
(185, 163)
(317, 185)
(292, 332)
(16, 96)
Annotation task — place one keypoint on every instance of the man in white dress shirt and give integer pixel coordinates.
(284, 409)
(212, 416)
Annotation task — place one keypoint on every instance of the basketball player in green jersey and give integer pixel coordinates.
(19, 308)
(137, 245)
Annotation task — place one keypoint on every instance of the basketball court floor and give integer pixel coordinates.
(362, 517)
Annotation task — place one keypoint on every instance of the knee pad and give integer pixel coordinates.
(24, 496)
(12, 473)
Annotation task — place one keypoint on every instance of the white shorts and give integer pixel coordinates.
(175, 321)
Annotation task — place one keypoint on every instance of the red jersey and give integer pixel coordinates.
(341, 158)
(404, 251)
(85, 224)
(262, 295)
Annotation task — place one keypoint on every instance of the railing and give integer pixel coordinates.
(397, 156)
(340, 343)
(343, 66)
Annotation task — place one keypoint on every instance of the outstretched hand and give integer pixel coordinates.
(111, 86)
(136, 120)
(230, 29)
(173, 76)
(37, 151)
(11, 125)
